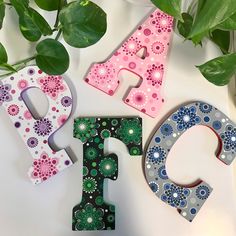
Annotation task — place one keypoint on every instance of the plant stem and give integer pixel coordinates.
(24, 61)
(58, 35)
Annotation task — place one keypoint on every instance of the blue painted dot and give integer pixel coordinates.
(193, 211)
(158, 140)
(217, 125)
(206, 119)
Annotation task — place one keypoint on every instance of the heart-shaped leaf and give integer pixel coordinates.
(211, 14)
(52, 57)
(3, 55)
(171, 7)
(48, 5)
(2, 12)
(83, 23)
(185, 26)
(220, 70)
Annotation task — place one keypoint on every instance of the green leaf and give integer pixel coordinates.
(48, 5)
(211, 14)
(28, 28)
(229, 24)
(2, 12)
(185, 26)
(20, 6)
(3, 55)
(41, 23)
(171, 7)
(220, 70)
(7, 67)
(222, 39)
(83, 23)
(52, 57)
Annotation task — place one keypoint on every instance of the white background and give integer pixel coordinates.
(46, 210)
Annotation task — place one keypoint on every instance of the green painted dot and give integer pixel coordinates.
(93, 172)
(99, 200)
(105, 133)
(94, 164)
(85, 171)
(114, 122)
(112, 208)
(101, 146)
(97, 140)
(104, 123)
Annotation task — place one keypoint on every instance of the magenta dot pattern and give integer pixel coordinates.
(36, 133)
(152, 38)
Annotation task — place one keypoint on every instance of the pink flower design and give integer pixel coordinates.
(103, 73)
(158, 48)
(155, 74)
(163, 22)
(139, 98)
(27, 115)
(52, 85)
(13, 110)
(62, 119)
(132, 46)
(44, 167)
(22, 84)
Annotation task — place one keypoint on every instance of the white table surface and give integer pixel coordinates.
(26, 210)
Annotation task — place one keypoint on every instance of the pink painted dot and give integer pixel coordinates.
(54, 109)
(147, 32)
(111, 92)
(127, 100)
(13, 91)
(86, 80)
(116, 53)
(40, 72)
(27, 130)
(143, 110)
(125, 58)
(153, 108)
(132, 65)
(147, 40)
(154, 95)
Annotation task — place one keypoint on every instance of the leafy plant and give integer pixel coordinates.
(208, 19)
(81, 23)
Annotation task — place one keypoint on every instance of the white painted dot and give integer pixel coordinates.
(223, 120)
(90, 220)
(186, 118)
(157, 75)
(223, 156)
(82, 127)
(175, 195)
(184, 213)
(148, 166)
(156, 154)
(107, 167)
(174, 135)
(233, 139)
(131, 131)
(132, 46)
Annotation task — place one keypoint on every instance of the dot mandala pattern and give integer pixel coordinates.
(188, 201)
(35, 133)
(144, 53)
(97, 166)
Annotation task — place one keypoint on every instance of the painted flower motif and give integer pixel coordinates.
(32, 142)
(158, 48)
(62, 119)
(229, 138)
(186, 118)
(89, 185)
(217, 125)
(205, 108)
(174, 195)
(108, 167)
(162, 173)
(85, 128)
(166, 129)
(27, 115)
(91, 153)
(202, 192)
(135, 151)
(130, 131)
(154, 187)
(22, 84)
(43, 127)
(66, 101)
(13, 110)
(138, 98)
(89, 218)
(5, 95)
(156, 155)
(103, 72)
(155, 74)
(44, 167)
(132, 46)
(105, 133)
(52, 85)
(163, 22)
